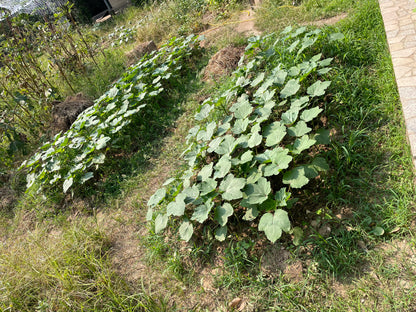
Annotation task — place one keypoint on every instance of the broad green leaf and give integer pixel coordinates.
(242, 81)
(221, 233)
(322, 136)
(186, 230)
(326, 62)
(291, 88)
(302, 144)
(271, 170)
(296, 177)
(268, 205)
(207, 134)
(207, 186)
(258, 192)
(298, 31)
(205, 172)
(324, 71)
(149, 214)
(251, 214)
(316, 57)
(258, 79)
(223, 128)
(192, 133)
(279, 76)
(287, 30)
(242, 109)
(222, 213)
(290, 116)
(177, 207)
(254, 175)
(274, 133)
(282, 197)
(112, 93)
(318, 88)
(274, 224)
(263, 113)
(169, 181)
(214, 144)
(204, 112)
(309, 114)
(336, 36)
(102, 142)
(300, 103)
(222, 167)
(320, 164)
(280, 157)
(161, 222)
(294, 71)
(191, 194)
(67, 184)
(267, 96)
(231, 187)
(255, 139)
(306, 43)
(280, 160)
(157, 197)
(226, 146)
(201, 213)
(99, 159)
(263, 88)
(246, 157)
(240, 126)
(300, 129)
(242, 141)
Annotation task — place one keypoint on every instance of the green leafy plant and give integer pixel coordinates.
(247, 165)
(72, 157)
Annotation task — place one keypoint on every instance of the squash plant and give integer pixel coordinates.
(248, 164)
(71, 158)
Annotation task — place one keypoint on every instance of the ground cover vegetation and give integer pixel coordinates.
(290, 180)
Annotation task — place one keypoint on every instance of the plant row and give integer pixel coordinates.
(71, 158)
(247, 165)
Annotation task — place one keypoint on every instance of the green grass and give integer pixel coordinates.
(58, 257)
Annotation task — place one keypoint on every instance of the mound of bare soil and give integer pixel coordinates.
(66, 112)
(223, 62)
(139, 51)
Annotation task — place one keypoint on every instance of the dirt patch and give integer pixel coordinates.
(329, 21)
(246, 24)
(276, 260)
(66, 112)
(139, 51)
(223, 62)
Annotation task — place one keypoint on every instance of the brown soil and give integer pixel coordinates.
(329, 21)
(223, 62)
(139, 51)
(277, 260)
(246, 25)
(66, 112)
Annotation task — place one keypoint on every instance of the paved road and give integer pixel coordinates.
(400, 24)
